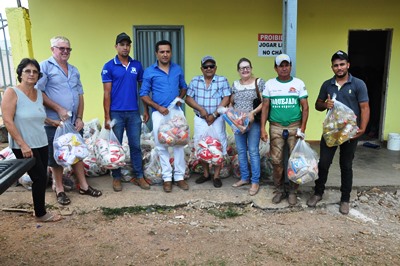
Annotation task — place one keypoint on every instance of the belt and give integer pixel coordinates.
(199, 116)
(293, 124)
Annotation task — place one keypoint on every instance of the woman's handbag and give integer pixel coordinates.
(256, 103)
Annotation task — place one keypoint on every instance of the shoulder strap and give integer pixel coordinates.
(258, 92)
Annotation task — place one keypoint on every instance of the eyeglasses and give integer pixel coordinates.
(244, 68)
(208, 66)
(63, 49)
(30, 72)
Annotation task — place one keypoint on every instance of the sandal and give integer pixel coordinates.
(62, 198)
(217, 182)
(91, 192)
(202, 179)
(49, 218)
(240, 183)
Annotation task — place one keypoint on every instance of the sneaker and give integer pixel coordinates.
(279, 196)
(344, 207)
(142, 183)
(292, 199)
(182, 184)
(312, 201)
(117, 186)
(167, 186)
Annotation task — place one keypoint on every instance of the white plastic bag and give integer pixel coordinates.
(108, 151)
(69, 146)
(152, 169)
(209, 148)
(174, 129)
(303, 163)
(238, 120)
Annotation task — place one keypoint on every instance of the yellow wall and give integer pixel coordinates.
(226, 29)
(20, 33)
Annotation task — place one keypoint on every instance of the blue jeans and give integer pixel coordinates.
(347, 151)
(132, 123)
(250, 142)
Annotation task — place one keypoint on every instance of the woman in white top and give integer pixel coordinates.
(24, 116)
(244, 92)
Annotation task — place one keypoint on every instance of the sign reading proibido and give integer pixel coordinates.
(269, 44)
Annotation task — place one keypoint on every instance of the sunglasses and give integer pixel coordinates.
(63, 49)
(208, 66)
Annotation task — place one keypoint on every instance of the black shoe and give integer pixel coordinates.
(202, 179)
(217, 182)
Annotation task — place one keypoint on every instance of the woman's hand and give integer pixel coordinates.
(26, 151)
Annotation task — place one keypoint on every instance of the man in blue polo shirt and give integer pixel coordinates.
(165, 80)
(120, 77)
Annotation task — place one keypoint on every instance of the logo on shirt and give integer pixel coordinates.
(133, 70)
(292, 90)
(105, 71)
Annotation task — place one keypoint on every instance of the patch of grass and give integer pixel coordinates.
(217, 262)
(179, 263)
(47, 235)
(114, 212)
(225, 213)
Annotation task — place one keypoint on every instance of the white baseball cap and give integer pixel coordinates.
(282, 57)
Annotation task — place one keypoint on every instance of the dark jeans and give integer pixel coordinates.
(347, 151)
(38, 175)
(132, 123)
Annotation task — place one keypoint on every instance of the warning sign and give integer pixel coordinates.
(269, 44)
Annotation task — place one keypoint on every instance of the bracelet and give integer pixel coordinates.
(214, 115)
(78, 117)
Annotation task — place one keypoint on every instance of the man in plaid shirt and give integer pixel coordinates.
(205, 94)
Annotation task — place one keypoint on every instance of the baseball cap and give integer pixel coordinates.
(282, 57)
(340, 55)
(123, 37)
(207, 58)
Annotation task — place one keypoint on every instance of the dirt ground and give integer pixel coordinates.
(224, 235)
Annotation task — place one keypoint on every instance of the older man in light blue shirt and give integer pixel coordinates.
(63, 98)
(63, 88)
